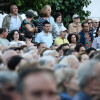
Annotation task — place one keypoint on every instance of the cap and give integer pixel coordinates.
(63, 28)
(75, 16)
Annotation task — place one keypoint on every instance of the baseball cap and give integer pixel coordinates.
(63, 29)
(75, 16)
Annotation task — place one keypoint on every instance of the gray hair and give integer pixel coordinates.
(85, 72)
(30, 13)
(7, 77)
(47, 6)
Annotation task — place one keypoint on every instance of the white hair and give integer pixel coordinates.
(50, 52)
(96, 19)
(70, 61)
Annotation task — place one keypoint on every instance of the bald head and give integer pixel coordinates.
(48, 8)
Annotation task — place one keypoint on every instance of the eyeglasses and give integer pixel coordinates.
(89, 22)
(96, 22)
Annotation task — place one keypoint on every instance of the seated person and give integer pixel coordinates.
(61, 39)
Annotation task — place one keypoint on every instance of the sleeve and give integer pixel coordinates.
(38, 38)
(94, 44)
(78, 40)
(56, 42)
(4, 23)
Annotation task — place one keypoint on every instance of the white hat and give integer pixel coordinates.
(63, 28)
(75, 16)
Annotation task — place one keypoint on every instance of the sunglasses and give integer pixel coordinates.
(89, 22)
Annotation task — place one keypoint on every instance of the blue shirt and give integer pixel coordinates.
(82, 96)
(15, 23)
(65, 96)
(44, 38)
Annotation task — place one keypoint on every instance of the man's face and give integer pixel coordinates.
(40, 86)
(63, 34)
(46, 28)
(86, 27)
(82, 49)
(14, 9)
(41, 47)
(95, 23)
(48, 10)
(5, 33)
(76, 20)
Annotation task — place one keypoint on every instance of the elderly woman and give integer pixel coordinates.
(27, 24)
(67, 83)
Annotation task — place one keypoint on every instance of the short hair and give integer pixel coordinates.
(69, 37)
(30, 13)
(31, 70)
(38, 45)
(78, 46)
(12, 7)
(29, 36)
(47, 6)
(69, 52)
(85, 72)
(83, 24)
(14, 61)
(57, 15)
(45, 22)
(88, 20)
(3, 29)
(90, 49)
(43, 12)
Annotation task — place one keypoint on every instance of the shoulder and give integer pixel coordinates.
(71, 24)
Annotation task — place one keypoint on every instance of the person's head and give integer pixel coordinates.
(7, 55)
(15, 62)
(4, 32)
(46, 26)
(90, 50)
(8, 80)
(90, 23)
(83, 57)
(37, 84)
(41, 46)
(72, 38)
(95, 23)
(54, 47)
(48, 8)
(43, 13)
(30, 14)
(71, 61)
(71, 52)
(48, 61)
(80, 48)
(76, 18)
(14, 9)
(28, 37)
(58, 17)
(85, 27)
(98, 31)
(67, 81)
(15, 34)
(88, 75)
(63, 32)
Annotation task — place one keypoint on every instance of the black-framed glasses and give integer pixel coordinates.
(89, 22)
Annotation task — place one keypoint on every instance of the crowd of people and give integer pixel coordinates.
(43, 60)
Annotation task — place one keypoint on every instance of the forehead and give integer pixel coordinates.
(48, 7)
(73, 35)
(14, 6)
(47, 25)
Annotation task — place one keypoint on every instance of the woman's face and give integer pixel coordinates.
(59, 19)
(98, 33)
(84, 57)
(73, 39)
(16, 35)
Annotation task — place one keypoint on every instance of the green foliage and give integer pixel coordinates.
(66, 7)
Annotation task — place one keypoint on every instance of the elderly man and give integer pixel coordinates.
(75, 27)
(37, 84)
(95, 24)
(85, 37)
(45, 36)
(61, 39)
(89, 81)
(13, 20)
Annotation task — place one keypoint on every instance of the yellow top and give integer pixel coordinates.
(59, 41)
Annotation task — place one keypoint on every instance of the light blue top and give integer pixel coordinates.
(15, 23)
(42, 37)
(96, 43)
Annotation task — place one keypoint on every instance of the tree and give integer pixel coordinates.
(66, 7)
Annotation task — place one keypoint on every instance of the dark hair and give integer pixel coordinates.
(97, 30)
(28, 35)
(3, 29)
(13, 62)
(78, 46)
(69, 52)
(69, 37)
(38, 45)
(12, 33)
(43, 13)
(45, 22)
(57, 15)
(31, 70)
(89, 50)
(30, 14)
(83, 24)
(88, 20)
